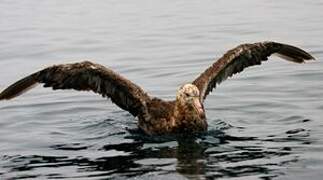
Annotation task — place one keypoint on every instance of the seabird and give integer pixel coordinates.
(185, 114)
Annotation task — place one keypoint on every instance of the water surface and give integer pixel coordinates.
(265, 123)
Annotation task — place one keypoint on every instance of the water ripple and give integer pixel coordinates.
(264, 123)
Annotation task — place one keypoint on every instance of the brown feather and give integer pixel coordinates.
(19, 87)
(85, 76)
(243, 56)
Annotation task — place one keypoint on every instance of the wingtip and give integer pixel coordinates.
(308, 56)
(312, 58)
(294, 54)
(3, 96)
(18, 88)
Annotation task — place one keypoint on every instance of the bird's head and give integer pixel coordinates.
(188, 96)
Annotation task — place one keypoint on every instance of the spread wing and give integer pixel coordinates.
(243, 56)
(85, 76)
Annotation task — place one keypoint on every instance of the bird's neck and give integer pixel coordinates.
(186, 115)
(184, 110)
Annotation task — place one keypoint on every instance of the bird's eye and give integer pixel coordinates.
(187, 94)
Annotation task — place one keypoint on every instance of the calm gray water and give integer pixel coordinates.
(266, 123)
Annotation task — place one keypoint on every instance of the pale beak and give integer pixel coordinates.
(197, 105)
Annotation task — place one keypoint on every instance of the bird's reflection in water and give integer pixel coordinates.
(211, 155)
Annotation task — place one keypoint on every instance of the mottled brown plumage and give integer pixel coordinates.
(243, 56)
(185, 114)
